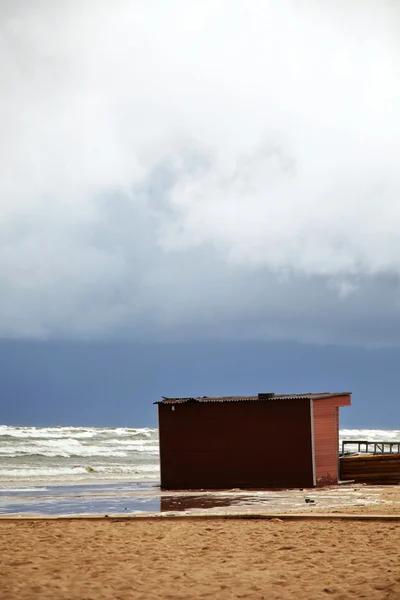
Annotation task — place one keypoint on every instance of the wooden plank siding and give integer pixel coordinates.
(236, 445)
(326, 439)
(380, 469)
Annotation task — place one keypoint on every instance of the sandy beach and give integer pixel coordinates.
(185, 558)
(201, 547)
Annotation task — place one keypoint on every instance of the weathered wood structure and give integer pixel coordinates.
(263, 441)
(374, 469)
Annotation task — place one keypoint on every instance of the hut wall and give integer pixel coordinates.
(236, 445)
(326, 439)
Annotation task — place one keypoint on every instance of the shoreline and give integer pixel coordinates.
(135, 498)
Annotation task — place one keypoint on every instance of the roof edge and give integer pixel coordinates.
(258, 398)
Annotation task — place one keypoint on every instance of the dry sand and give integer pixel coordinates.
(185, 558)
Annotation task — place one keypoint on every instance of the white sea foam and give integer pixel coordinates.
(371, 435)
(29, 454)
(47, 432)
(41, 472)
(12, 490)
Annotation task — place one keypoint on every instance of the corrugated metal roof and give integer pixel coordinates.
(258, 398)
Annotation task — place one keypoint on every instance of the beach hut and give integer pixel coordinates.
(263, 441)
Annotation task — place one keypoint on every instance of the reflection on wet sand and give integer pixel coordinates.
(132, 498)
(201, 502)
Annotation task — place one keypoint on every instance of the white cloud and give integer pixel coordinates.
(213, 168)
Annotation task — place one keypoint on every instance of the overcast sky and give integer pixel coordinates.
(200, 170)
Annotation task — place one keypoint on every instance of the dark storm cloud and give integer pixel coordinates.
(217, 170)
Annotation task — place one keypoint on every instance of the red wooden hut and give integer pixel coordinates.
(263, 441)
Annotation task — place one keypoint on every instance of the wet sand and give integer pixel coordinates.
(136, 498)
(184, 558)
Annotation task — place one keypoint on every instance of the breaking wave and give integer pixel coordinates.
(70, 454)
(372, 435)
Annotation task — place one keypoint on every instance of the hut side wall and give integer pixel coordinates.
(326, 438)
(237, 444)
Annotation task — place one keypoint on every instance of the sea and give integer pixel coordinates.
(104, 470)
(64, 455)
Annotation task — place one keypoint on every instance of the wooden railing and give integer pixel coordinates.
(366, 447)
